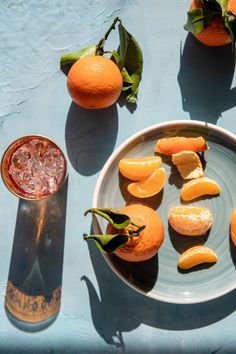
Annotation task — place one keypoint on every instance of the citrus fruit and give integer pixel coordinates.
(231, 6)
(233, 227)
(188, 164)
(196, 255)
(199, 187)
(94, 82)
(215, 34)
(190, 221)
(173, 145)
(146, 245)
(150, 186)
(139, 169)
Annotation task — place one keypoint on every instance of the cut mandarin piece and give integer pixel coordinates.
(188, 164)
(173, 145)
(199, 187)
(196, 255)
(150, 186)
(139, 169)
(190, 221)
(233, 227)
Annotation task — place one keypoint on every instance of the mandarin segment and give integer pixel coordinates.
(150, 186)
(173, 145)
(198, 188)
(188, 164)
(233, 227)
(190, 221)
(139, 168)
(196, 255)
(146, 245)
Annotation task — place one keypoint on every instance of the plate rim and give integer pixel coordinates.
(115, 153)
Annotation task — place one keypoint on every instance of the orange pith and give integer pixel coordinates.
(233, 227)
(146, 245)
(215, 34)
(149, 187)
(173, 145)
(196, 255)
(94, 82)
(199, 187)
(188, 164)
(190, 221)
(139, 169)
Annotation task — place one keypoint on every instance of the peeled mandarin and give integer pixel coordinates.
(190, 221)
(173, 145)
(139, 169)
(233, 227)
(196, 255)
(150, 186)
(188, 164)
(199, 187)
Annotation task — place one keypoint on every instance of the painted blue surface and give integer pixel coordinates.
(181, 80)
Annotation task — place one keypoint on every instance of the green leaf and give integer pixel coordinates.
(198, 19)
(223, 4)
(108, 243)
(132, 59)
(70, 59)
(230, 25)
(116, 219)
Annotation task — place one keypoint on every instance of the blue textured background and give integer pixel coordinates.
(181, 80)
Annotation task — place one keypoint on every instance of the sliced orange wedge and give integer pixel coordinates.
(173, 145)
(233, 227)
(139, 169)
(196, 255)
(188, 164)
(150, 186)
(190, 221)
(199, 187)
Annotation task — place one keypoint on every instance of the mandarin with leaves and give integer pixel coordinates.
(212, 22)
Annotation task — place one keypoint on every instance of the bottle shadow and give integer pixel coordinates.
(33, 292)
(117, 308)
(90, 137)
(205, 78)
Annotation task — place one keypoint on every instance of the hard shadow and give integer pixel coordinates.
(33, 293)
(116, 308)
(205, 79)
(90, 137)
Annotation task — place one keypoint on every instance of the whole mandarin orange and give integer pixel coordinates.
(94, 82)
(146, 245)
(215, 34)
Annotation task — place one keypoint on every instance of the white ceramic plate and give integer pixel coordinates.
(159, 277)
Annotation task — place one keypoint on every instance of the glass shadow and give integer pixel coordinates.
(33, 292)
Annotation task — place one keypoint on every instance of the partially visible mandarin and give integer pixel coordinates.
(94, 82)
(215, 34)
(150, 186)
(190, 221)
(199, 187)
(233, 227)
(196, 255)
(173, 145)
(146, 245)
(188, 164)
(138, 169)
